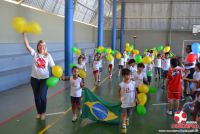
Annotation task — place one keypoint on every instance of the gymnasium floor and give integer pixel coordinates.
(18, 111)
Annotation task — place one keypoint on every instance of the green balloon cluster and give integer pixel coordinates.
(160, 48)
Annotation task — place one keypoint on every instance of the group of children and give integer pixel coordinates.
(171, 70)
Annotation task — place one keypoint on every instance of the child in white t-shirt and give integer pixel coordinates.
(96, 66)
(121, 64)
(127, 95)
(80, 64)
(84, 61)
(158, 68)
(132, 67)
(140, 77)
(165, 64)
(76, 85)
(100, 66)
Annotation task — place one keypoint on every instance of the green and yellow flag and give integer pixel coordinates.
(99, 110)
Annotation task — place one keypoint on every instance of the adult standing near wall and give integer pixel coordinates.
(40, 73)
(190, 67)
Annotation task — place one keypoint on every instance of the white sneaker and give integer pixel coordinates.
(169, 112)
(124, 126)
(74, 118)
(80, 113)
(38, 116)
(43, 116)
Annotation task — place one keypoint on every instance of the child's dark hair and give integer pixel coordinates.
(131, 61)
(158, 55)
(167, 53)
(74, 67)
(141, 65)
(80, 57)
(151, 51)
(189, 47)
(126, 71)
(198, 65)
(174, 62)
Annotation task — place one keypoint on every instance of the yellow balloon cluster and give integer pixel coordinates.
(110, 57)
(155, 53)
(82, 73)
(143, 88)
(166, 49)
(20, 25)
(118, 55)
(57, 71)
(146, 60)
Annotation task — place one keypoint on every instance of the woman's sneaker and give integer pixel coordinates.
(74, 118)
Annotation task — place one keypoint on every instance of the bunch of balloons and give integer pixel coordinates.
(57, 72)
(196, 48)
(160, 48)
(138, 59)
(76, 51)
(109, 57)
(136, 52)
(118, 55)
(142, 97)
(20, 25)
(82, 73)
(128, 47)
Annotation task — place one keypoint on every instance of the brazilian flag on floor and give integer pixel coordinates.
(97, 109)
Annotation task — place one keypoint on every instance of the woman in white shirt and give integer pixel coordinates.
(40, 73)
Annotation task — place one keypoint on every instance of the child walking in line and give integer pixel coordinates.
(158, 68)
(110, 68)
(121, 64)
(127, 94)
(96, 66)
(76, 85)
(132, 66)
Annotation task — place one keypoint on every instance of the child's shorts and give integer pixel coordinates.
(128, 110)
(121, 67)
(164, 73)
(96, 71)
(175, 96)
(110, 66)
(100, 69)
(75, 100)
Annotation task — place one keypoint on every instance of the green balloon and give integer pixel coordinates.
(141, 110)
(160, 48)
(97, 51)
(152, 89)
(154, 48)
(105, 50)
(171, 55)
(138, 58)
(74, 49)
(52, 81)
(128, 53)
(145, 50)
(149, 73)
(72, 65)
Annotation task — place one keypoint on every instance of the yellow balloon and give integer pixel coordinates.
(145, 53)
(57, 71)
(118, 55)
(109, 57)
(166, 49)
(78, 52)
(135, 51)
(109, 50)
(142, 98)
(127, 45)
(146, 60)
(33, 27)
(82, 73)
(100, 48)
(155, 53)
(143, 88)
(19, 24)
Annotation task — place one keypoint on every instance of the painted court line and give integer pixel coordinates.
(159, 104)
(55, 113)
(60, 117)
(28, 109)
